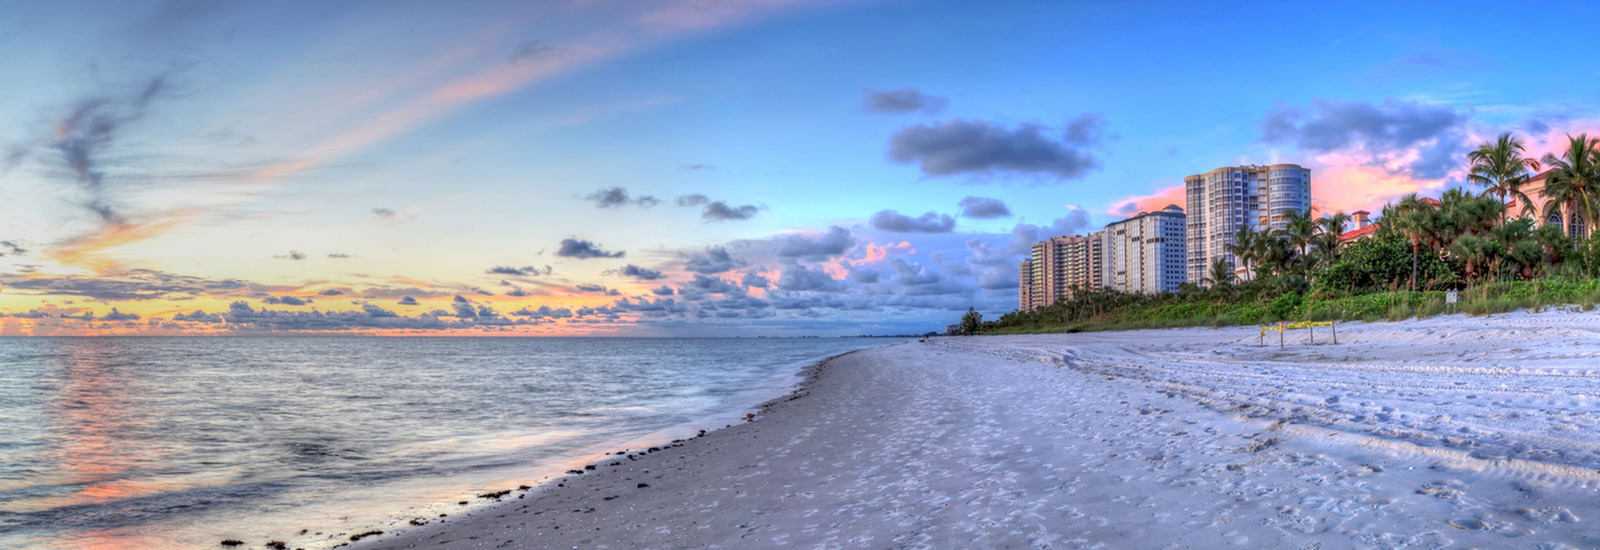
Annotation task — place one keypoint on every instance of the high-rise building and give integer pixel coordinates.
(1221, 200)
(1145, 253)
(1057, 267)
(1025, 285)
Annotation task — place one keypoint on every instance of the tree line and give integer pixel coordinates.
(1466, 238)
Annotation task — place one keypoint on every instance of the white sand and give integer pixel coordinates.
(1450, 432)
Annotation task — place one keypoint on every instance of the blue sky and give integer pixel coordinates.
(232, 159)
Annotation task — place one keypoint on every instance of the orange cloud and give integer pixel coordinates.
(86, 251)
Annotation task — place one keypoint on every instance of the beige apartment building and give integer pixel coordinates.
(1025, 285)
(1057, 267)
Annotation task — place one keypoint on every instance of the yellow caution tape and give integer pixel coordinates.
(1291, 326)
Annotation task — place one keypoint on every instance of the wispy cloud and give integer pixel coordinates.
(658, 23)
(408, 102)
(88, 250)
(85, 135)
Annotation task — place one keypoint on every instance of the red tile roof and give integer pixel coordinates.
(1358, 233)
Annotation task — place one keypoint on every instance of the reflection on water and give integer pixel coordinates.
(180, 442)
(95, 429)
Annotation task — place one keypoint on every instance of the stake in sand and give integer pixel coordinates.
(1310, 326)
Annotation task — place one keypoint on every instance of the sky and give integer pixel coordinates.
(692, 167)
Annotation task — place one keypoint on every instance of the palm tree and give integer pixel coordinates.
(1331, 226)
(1220, 275)
(1244, 245)
(1501, 169)
(1574, 179)
(1469, 215)
(1412, 219)
(1527, 256)
(971, 322)
(1300, 229)
(1555, 243)
(1477, 253)
(1274, 251)
(1520, 247)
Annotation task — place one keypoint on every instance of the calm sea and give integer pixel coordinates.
(182, 442)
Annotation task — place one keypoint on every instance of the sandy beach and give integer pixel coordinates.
(1454, 431)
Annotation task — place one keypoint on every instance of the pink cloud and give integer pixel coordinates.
(1347, 186)
(1147, 203)
(1346, 182)
(838, 268)
(1554, 141)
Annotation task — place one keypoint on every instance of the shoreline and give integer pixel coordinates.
(1412, 434)
(411, 531)
(587, 464)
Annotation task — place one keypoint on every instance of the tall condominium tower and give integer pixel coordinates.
(1223, 199)
(1057, 267)
(1025, 285)
(1145, 253)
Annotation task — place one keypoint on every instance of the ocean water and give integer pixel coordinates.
(182, 442)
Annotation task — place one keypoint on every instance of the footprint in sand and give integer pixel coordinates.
(1443, 489)
(1553, 514)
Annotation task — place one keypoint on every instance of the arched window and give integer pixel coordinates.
(1555, 219)
(1577, 227)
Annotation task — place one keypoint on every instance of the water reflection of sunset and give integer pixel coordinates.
(97, 408)
(93, 453)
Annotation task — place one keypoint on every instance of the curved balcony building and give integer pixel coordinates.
(1221, 200)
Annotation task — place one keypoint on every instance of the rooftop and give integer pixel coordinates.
(1170, 210)
(1358, 233)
